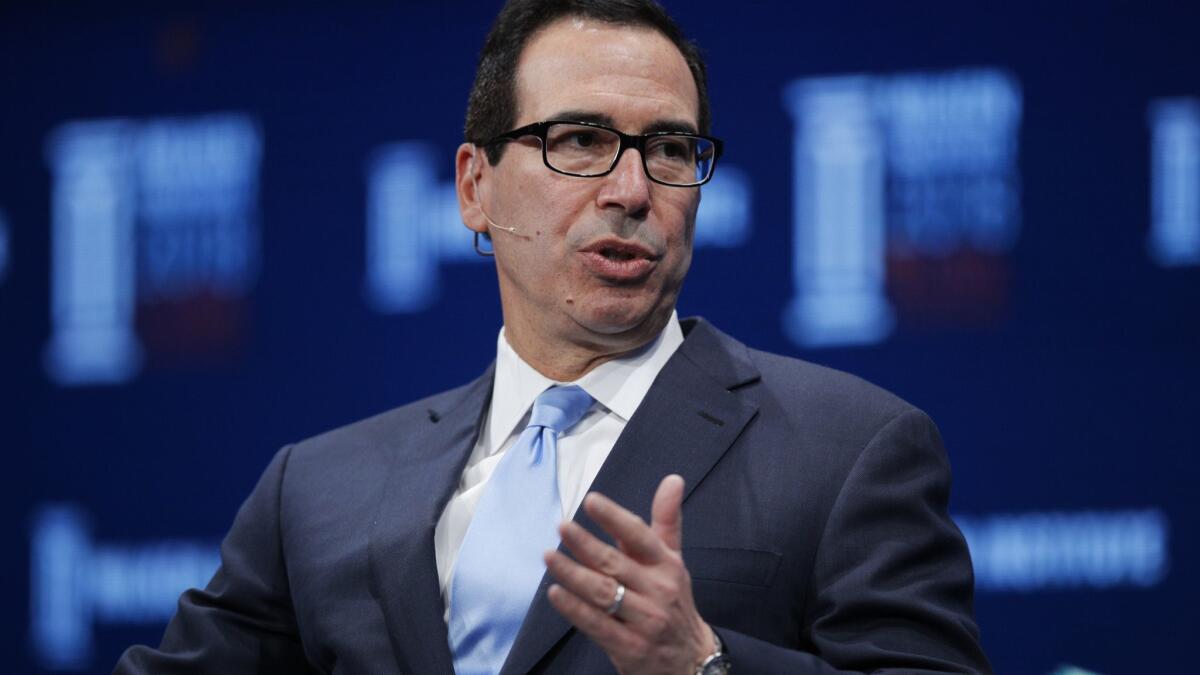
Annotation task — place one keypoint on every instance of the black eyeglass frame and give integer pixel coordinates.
(638, 142)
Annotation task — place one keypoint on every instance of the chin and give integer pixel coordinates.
(626, 319)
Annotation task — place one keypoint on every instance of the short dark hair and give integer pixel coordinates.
(492, 106)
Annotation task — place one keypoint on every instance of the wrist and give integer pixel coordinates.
(716, 661)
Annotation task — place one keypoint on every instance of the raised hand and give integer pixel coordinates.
(635, 599)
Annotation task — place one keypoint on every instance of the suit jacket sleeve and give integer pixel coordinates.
(243, 621)
(892, 583)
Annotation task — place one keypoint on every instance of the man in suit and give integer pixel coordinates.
(726, 510)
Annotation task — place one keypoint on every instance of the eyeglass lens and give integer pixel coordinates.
(589, 151)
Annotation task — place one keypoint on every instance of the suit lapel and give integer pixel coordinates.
(425, 469)
(687, 421)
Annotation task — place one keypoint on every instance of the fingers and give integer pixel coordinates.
(599, 556)
(666, 514)
(632, 534)
(613, 636)
(594, 588)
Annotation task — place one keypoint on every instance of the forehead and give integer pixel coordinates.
(632, 74)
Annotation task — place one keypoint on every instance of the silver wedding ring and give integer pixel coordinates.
(617, 600)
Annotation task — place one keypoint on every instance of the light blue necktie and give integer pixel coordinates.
(500, 561)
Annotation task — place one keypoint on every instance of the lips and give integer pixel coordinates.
(619, 260)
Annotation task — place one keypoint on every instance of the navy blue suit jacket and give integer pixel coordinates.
(815, 531)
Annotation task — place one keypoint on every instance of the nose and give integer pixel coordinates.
(627, 188)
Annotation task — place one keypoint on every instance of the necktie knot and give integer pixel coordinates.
(560, 408)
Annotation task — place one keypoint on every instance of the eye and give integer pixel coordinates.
(674, 148)
(583, 139)
(565, 138)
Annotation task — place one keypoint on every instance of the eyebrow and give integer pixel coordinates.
(607, 120)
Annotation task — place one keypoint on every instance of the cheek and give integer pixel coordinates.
(680, 267)
(558, 216)
(681, 239)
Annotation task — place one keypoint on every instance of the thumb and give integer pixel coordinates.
(666, 514)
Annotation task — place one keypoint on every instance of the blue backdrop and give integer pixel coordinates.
(228, 229)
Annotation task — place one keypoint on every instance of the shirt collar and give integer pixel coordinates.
(619, 384)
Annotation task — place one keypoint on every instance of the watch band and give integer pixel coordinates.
(718, 663)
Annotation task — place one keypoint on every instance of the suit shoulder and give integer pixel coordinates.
(385, 428)
(820, 392)
(807, 395)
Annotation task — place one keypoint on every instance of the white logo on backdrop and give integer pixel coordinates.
(157, 209)
(76, 583)
(1068, 550)
(1175, 181)
(926, 160)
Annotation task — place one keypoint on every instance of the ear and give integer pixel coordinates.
(468, 173)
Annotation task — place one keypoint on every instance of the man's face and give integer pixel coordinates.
(595, 262)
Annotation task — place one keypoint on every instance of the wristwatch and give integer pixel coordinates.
(718, 663)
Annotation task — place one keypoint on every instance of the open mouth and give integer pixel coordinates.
(613, 253)
(619, 250)
(619, 261)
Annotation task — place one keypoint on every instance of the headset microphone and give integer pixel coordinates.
(491, 223)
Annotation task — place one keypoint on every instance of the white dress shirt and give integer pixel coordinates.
(618, 387)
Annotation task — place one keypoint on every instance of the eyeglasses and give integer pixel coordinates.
(591, 150)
